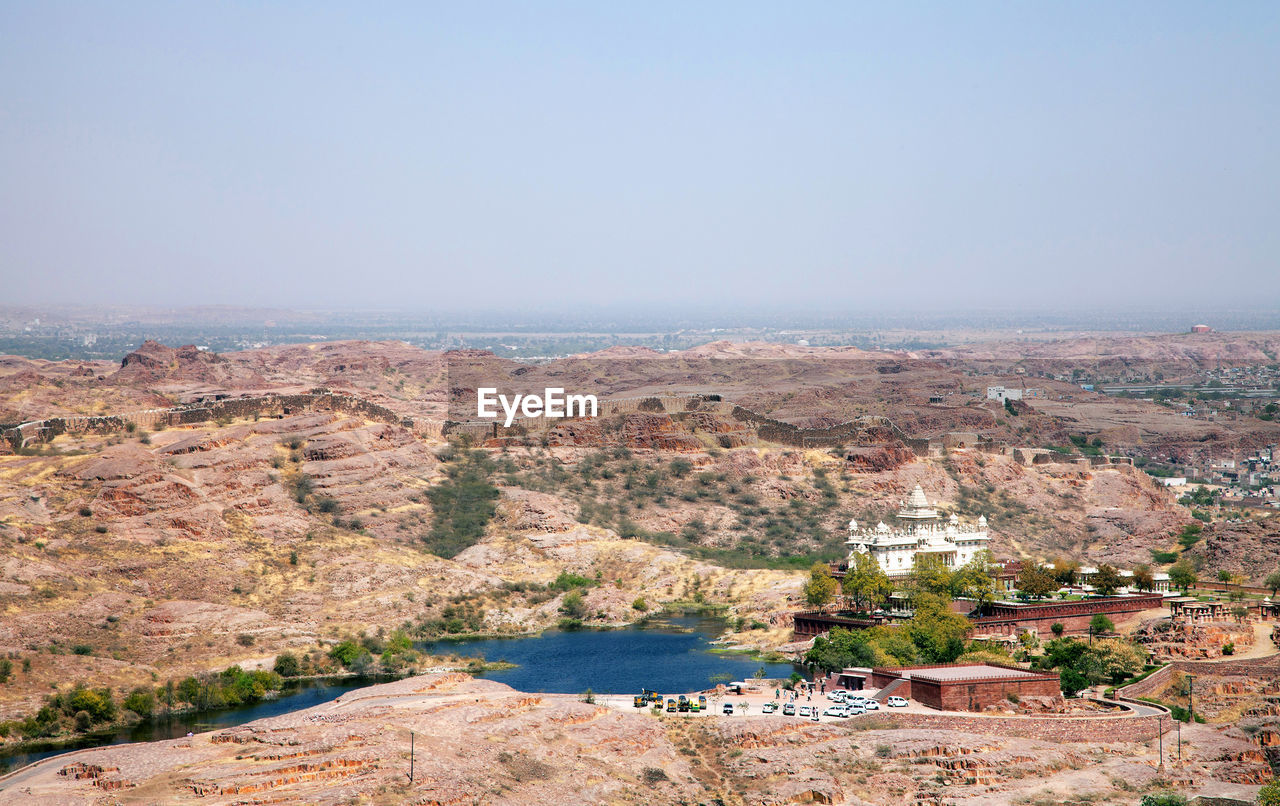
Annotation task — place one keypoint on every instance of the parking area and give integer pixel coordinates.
(750, 704)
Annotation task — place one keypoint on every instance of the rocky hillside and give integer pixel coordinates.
(479, 741)
(131, 552)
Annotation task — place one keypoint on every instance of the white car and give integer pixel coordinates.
(855, 709)
(835, 710)
(769, 707)
(837, 694)
(896, 702)
(806, 710)
(870, 705)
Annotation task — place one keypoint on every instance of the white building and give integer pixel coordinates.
(1002, 393)
(921, 530)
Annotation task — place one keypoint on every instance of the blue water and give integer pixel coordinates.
(669, 655)
(295, 696)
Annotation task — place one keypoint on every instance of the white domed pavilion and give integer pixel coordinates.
(920, 530)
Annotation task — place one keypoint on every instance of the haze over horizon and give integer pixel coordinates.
(446, 157)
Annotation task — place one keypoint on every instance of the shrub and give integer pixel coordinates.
(287, 665)
(1269, 795)
(463, 504)
(573, 606)
(85, 512)
(1058, 628)
(244, 639)
(653, 775)
(82, 649)
(100, 529)
(568, 581)
(141, 701)
(640, 604)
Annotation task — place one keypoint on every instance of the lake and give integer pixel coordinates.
(664, 654)
(671, 655)
(294, 696)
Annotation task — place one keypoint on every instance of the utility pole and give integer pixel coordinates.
(411, 735)
(1179, 741)
(1191, 697)
(1160, 736)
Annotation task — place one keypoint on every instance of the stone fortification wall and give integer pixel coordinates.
(39, 431)
(846, 433)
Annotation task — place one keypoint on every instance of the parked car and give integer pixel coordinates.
(770, 707)
(896, 702)
(871, 705)
(694, 707)
(805, 710)
(856, 709)
(834, 710)
(838, 692)
(789, 709)
(728, 708)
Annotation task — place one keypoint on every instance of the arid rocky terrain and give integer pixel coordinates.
(481, 742)
(156, 547)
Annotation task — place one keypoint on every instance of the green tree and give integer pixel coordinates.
(1072, 682)
(866, 583)
(287, 665)
(142, 701)
(1111, 659)
(929, 574)
(1036, 582)
(1100, 624)
(1273, 582)
(1107, 580)
(821, 587)
(1143, 579)
(976, 580)
(1182, 575)
(1066, 572)
(936, 629)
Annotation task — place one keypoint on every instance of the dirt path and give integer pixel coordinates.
(1263, 646)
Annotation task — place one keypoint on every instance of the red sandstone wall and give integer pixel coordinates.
(1053, 729)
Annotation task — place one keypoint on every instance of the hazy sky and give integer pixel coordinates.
(459, 154)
